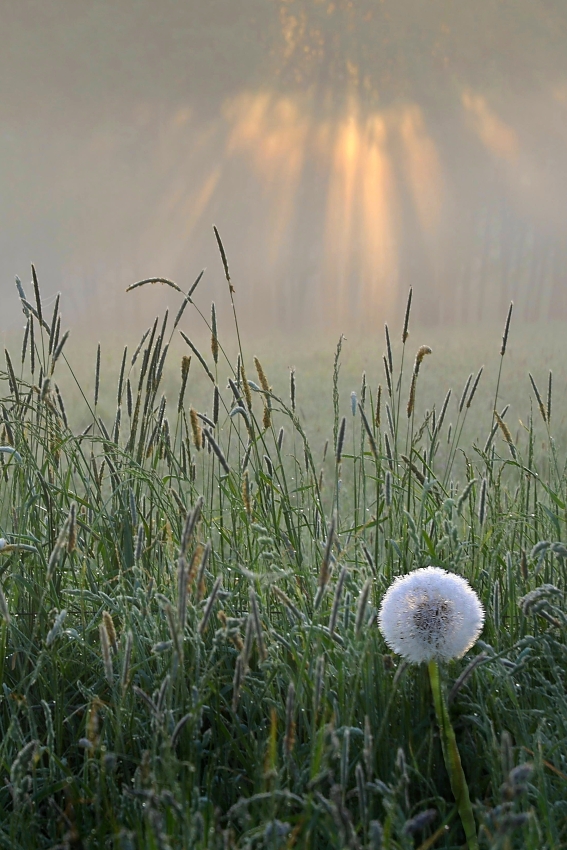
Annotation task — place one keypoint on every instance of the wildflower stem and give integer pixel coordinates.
(452, 758)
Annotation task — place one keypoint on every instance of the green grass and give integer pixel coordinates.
(185, 663)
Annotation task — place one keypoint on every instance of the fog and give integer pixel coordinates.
(345, 150)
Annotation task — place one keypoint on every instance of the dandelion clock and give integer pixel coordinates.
(429, 616)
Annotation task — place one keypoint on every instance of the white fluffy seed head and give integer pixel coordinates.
(430, 614)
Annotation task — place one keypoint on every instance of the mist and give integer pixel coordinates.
(346, 151)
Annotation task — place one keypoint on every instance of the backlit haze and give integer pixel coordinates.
(345, 150)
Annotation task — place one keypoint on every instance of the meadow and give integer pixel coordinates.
(194, 545)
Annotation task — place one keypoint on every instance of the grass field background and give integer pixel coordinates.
(456, 352)
(190, 654)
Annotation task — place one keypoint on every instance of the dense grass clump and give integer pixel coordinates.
(190, 653)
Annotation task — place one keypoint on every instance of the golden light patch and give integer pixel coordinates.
(494, 133)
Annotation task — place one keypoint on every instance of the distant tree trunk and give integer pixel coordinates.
(483, 272)
(558, 298)
(533, 290)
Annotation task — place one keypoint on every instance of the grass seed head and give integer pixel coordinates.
(411, 399)
(246, 493)
(482, 502)
(506, 330)
(266, 417)
(377, 408)
(105, 651)
(125, 677)
(422, 351)
(389, 349)
(389, 455)
(185, 364)
(216, 404)
(97, 375)
(505, 433)
(110, 630)
(289, 737)
(214, 337)
(474, 387)
(540, 404)
(245, 386)
(405, 332)
(341, 439)
(196, 429)
(388, 375)
(261, 375)
(292, 388)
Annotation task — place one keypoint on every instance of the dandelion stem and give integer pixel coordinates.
(452, 758)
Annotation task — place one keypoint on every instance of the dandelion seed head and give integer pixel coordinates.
(430, 614)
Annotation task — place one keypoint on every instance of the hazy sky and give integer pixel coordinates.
(346, 150)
